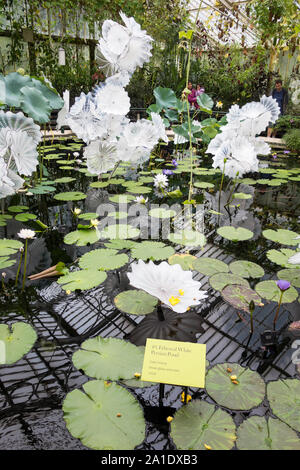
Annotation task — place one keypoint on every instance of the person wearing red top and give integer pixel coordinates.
(192, 97)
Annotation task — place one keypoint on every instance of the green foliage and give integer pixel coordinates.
(292, 139)
(287, 122)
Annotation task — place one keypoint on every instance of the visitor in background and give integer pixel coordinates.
(279, 94)
(192, 98)
(199, 90)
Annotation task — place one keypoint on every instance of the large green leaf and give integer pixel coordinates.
(165, 97)
(281, 257)
(188, 238)
(205, 102)
(70, 196)
(257, 433)
(284, 398)
(18, 340)
(6, 262)
(103, 259)
(285, 237)
(25, 217)
(184, 260)
(120, 231)
(246, 269)
(55, 101)
(9, 247)
(135, 302)
(235, 234)
(209, 266)
(291, 275)
(199, 426)
(152, 250)
(109, 358)
(270, 291)
(220, 280)
(84, 279)
(105, 417)
(244, 395)
(14, 82)
(161, 213)
(82, 237)
(35, 104)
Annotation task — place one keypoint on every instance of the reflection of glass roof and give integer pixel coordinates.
(224, 21)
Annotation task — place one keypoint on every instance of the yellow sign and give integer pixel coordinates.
(174, 362)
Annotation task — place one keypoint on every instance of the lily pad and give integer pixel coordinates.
(165, 97)
(188, 238)
(162, 213)
(70, 196)
(246, 269)
(25, 217)
(209, 266)
(135, 302)
(99, 184)
(65, 179)
(281, 257)
(152, 250)
(183, 259)
(122, 198)
(256, 433)
(18, 339)
(269, 290)
(240, 297)
(203, 185)
(199, 425)
(6, 262)
(221, 280)
(109, 358)
(105, 417)
(4, 218)
(9, 247)
(291, 275)
(83, 280)
(244, 395)
(103, 259)
(18, 208)
(82, 237)
(284, 398)
(235, 234)
(285, 237)
(242, 196)
(120, 231)
(139, 190)
(88, 216)
(121, 244)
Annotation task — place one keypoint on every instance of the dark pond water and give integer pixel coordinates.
(32, 390)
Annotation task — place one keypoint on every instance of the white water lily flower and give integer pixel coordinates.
(101, 157)
(26, 233)
(142, 133)
(160, 127)
(161, 181)
(141, 200)
(272, 106)
(18, 150)
(112, 99)
(173, 286)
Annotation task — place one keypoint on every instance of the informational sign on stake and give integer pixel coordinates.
(174, 362)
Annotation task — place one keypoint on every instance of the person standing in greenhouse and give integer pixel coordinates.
(200, 89)
(192, 97)
(279, 94)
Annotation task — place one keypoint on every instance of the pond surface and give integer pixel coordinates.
(32, 390)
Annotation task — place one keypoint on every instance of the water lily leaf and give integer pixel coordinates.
(209, 266)
(291, 275)
(105, 417)
(188, 238)
(121, 244)
(242, 196)
(18, 339)
(4, 218)
(81, 237)
(200, 424)
(18, 208)
(165, 97)
(9, 247)
(285, 237)
(256, 433)
(203, 185)
(6, 262)
(109, 358)
(183, 259)
(283, 396)
(70, 196)
(246, 181)
(122, 198)
(65, 179)
(103, 259)
(83, 280)
(135, 302)
(281, 257)
(269, 290)
(120, 231)
(221, 280)
(139, 189)
(88, 216)
(246, 394)
(14, 82)
(205, 102)
(162, 213)
(99, 184)
(118, 215)
(35, 104)
(235, 234)
(240, 296)
(152, 250)
(55, 101)
(25, 217)
(246, 269)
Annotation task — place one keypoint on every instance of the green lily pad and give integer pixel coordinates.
(9, 247)
(250, 181)
(105, 417)
(235, 234)
(83, 280)
(188, 238)
(88, 216)
(281, 257)
(120, 231)
(109, 358)
(242, 196)
(220, 280)
(41, 189)
(209, 266)
(246, 394)
(200, 424)
(70, 196)
(99, 184)
(246, 269)
(203, 185)
(18, 208)
(291, 275)
(139, 190)
(269, 290)
(118, 215)
(135, 302)
(152, 250)
(183, 259)
(4, 218)
(121, 244)
(6, 262)
(162, 213)
(240, 297)
(103, 259)
(283, 396)
(122, 198)
(285, 237)
(165, 97)
(25, 217)
(65, 179)
(18, 339)
(82, 237)
(256, 433)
